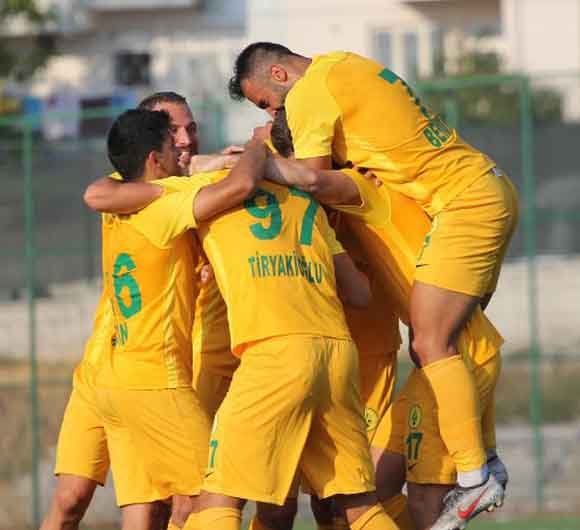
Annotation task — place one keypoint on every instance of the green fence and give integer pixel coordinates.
(50, 284)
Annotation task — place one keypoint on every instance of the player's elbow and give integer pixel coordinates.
(94, 199)
(311, 180)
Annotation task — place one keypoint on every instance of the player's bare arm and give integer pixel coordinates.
(109, 195)
(330, 187)
(352, 285)
(112, 196)
(236, 187)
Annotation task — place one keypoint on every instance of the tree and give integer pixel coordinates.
(494, 104)
(18, 61)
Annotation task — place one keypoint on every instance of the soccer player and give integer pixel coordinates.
(390, 228)
(294, 399)
(82, 460)
(344, 107)
(149, 263)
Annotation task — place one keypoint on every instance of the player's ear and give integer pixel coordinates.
(153, 160)
(278, 73)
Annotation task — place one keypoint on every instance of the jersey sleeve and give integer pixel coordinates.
(312, 114)
(171, 214)
(375, 203)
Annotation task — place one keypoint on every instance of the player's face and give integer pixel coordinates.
(268, 97)
(184, 132)
(168, 160)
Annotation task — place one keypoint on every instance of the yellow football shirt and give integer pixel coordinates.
(374, 329)
(148, 267)
(391, 229)
(211, 333)
(273, 262)
(358, 111)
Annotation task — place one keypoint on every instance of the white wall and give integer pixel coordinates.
(543, 37)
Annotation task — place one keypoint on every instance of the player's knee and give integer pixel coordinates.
(278, 517)
(181, 507)
(428, 347)
(72, 502)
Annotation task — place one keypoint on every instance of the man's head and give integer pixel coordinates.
(140, 145)
(281, 136)
(183, 126)
(264, 72)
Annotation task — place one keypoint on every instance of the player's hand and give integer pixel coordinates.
(232, 150)
(206, 274)
(369, 175)
(262, 133)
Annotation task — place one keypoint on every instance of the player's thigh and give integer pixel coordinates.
(170, 432)
(265, 419)
(390, 472)
(82, 444)
(336, 459)
(437, 317)
(147, 516)
(425, 502)
(467, 238)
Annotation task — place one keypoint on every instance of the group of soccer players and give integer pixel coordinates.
(245, 344)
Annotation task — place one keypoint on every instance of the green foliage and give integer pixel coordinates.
(493, 105)
(18, 61)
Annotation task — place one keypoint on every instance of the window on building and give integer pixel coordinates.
(383, 47)
(411, 55)
(132, 68)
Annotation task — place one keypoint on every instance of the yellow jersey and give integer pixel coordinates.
(100, 344)
(273, 262)
(211, 333)
(391, 229)
(374, 329)
(358, 111)
(148, 268)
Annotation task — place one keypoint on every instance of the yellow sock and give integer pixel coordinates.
(459, 413)
(256, 524)
(398, 510)
(219, 519)
(192, 523)
(374, 518)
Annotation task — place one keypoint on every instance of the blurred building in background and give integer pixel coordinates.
(109, 47)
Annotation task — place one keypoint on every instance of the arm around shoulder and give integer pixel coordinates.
(114, 196)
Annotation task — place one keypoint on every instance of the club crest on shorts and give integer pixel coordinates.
(415, 416)
(371, 418)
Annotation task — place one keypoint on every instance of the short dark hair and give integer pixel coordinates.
(281, 135)
(161, 97)
(133, 135)
(249, 59)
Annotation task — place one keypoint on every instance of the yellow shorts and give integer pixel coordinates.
(413, 428)
(82, 442)
(166, 432)
(468, 239)
(293, 405)
(377, 382)
(211, 385)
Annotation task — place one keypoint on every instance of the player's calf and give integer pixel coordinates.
(69, 503)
